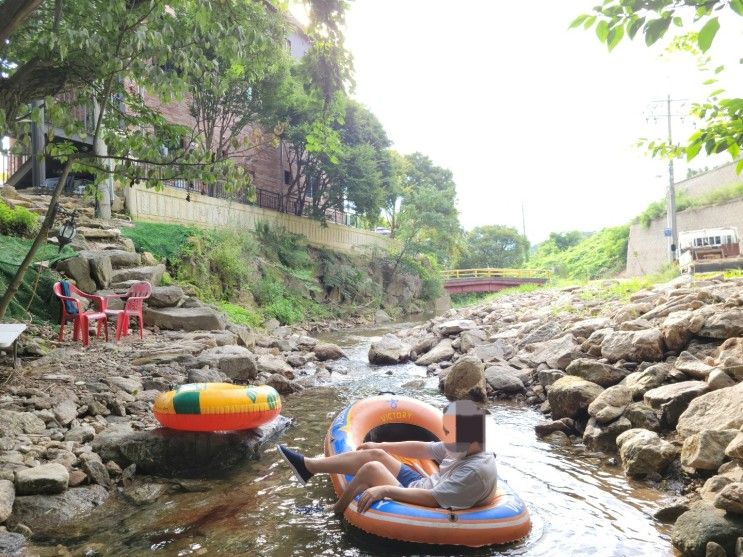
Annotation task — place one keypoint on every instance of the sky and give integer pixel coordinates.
(524, 111)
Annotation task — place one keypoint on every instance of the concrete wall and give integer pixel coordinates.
(170, 206)
(709, 181)
(647, 248)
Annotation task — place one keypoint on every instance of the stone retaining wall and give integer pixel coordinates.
(170, 206)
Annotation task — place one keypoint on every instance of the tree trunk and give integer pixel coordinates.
(41, 237)
(13, 13)
(104, 194)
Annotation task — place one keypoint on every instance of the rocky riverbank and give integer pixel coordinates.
(657, 378)
(77, 425)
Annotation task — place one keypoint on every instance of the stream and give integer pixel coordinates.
(580, 503)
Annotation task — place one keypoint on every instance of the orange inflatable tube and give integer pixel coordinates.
(392, 418)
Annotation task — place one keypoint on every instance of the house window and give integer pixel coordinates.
(287, 177)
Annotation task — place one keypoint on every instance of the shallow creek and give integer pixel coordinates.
(580, 504)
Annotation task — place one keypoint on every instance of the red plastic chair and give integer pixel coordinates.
(80, 319)
(135, 297)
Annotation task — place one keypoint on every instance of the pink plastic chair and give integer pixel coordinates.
(71, 311)
(135, 297)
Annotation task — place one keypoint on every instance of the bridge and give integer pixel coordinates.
(459, 281)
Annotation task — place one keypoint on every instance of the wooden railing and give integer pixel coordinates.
(485, 273)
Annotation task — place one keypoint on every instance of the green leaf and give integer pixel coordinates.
(734, 150)
(634, 27)
(577, 21)
(693, 150)
(739, 167)
(615, 35)
(602, 30)
(590, 20)
(707, 34)
(737, 6)
(655, 29)
(678, 22)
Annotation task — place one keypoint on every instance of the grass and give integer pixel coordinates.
(623, 289)
(477, 298)
(241, 315)
(164, 241)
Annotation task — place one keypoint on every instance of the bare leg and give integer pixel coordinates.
(369, 475)
(351, 462)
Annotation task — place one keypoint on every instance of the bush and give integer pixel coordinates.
(428, 270)
(278, 244)
(17, 221)
(165, 241)
(240, 315)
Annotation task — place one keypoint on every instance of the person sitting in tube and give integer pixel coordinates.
(466, 478)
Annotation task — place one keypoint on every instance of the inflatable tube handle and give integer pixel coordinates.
(386, 393)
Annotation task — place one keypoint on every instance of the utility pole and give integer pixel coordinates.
(523, 229)
(671, 224)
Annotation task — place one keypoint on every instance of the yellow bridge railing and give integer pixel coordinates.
(454, 274)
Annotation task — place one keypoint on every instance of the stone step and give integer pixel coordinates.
(99, 233)
(152, 274)
(186, 319)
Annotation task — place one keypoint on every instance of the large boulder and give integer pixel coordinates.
(47, 478)
(641, 382)
(733, 450)
(465, 380)
(186, 319)
(165, 296)
(273, 364)
(586, 327)
(597, 372)
(327, 351)
(610, 404)
(603, 437)
(570, 396)
(152, 274)
(503, 379)
(12, 544)
(644, 453)
(678, 328)
(635, 346)
(703, 523)
(441, 352)
(49, 513)
(706, 450)
(454, 326)
(167, 452)
(673, 399)
(718, 410)
(730, 498)
(556, 353)
(692, 366)
(725, 323)
(7, 497)
(729, 358)
(120, 258)
(236, 362)
(469, 339)
(641, 416)
(78, 269)
(16, 423)
(101, 270)
(388, 350)
(499, 349)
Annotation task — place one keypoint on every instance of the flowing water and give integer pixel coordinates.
(580, 504)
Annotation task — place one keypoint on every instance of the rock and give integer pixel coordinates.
(566, 425)
(586, 327)
(635, 346)
(236, 362)
(570, 396)
(725, 323)
(80, 434)
(388, 350)
(48, 513)
(414, 384)
(706, 450)
(596, 372)
(733, 450)
(470, 339)
(641, 382)
(718, 410)
(16, 423)
(121, 258)
(714, 550)
(381, 317)
(678, 328)
(165, 296)
(543, 333)
(283, 385)
(326, 351)
(454, 327)
(718, 379)
(497, 350)
(703, 523)
(46, 479)
(556, 353)
(731, 498)
(152, 274)
(78, 269)
(144, 493)
(101, 270)
(131, 385)
(465, 380)
(503, 379)
(671, 511)
(643, 453)
(610, 404)
(7, 497)
(729, 358)
(245, 336)
(439, 353)
(673, 399)
(65, 411)
(12, 544)
(185, 319)
(97, 472)
(272, 364)
(692, 366)
(547, 377)
(171, 453)
(559, 438)
(642, 416)
(603, 436)
(206, 375)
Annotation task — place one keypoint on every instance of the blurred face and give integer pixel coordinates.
(450, 435)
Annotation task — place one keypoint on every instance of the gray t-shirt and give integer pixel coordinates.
(460, 483)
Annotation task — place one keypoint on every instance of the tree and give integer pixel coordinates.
(721, 119)
(398, 169)
(495, 246)
(428, 218)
